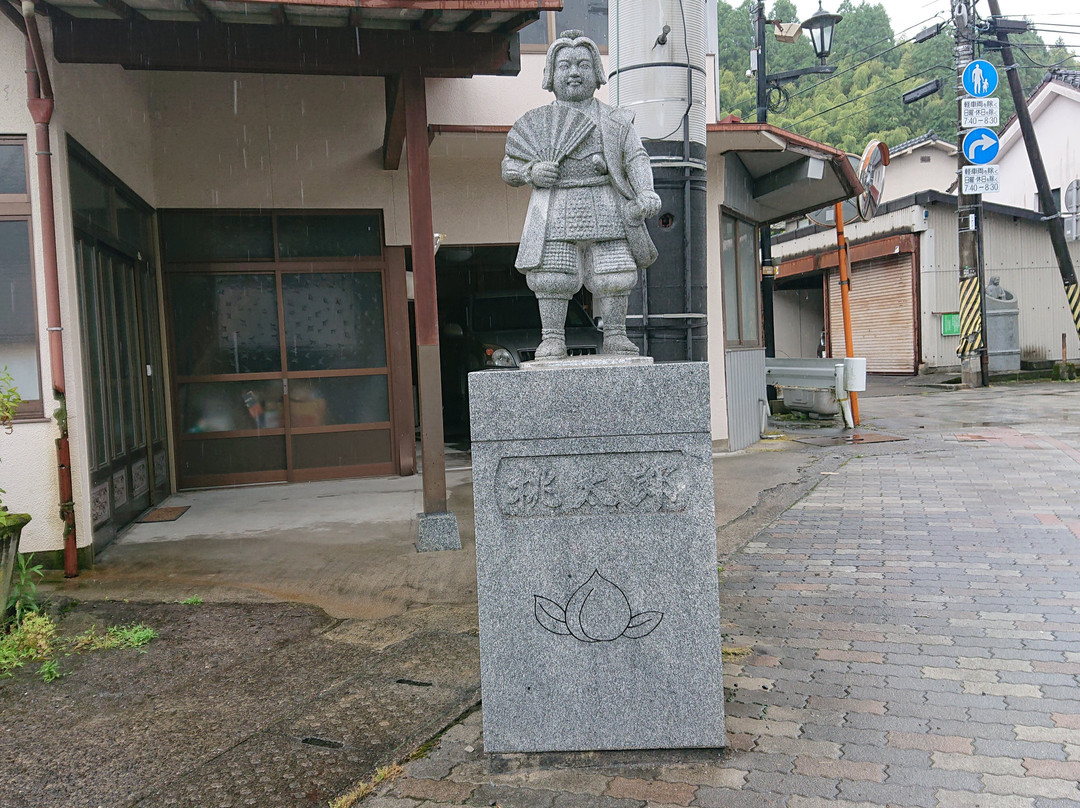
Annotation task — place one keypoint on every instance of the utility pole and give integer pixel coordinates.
(969, 216)
(768, 271)
(1042, 183)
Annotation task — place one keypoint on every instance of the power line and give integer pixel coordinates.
(897, 33)
(848, 69)
(823, 124)
(871, 92)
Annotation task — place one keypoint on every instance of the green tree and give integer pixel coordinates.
(874, 65)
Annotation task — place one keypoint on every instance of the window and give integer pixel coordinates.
(18, 309)
(106, 208)
(1040, 206)
(739, 282)
(590, 16)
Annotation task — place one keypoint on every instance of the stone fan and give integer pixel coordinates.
(548, 133)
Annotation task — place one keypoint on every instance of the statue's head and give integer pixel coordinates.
(573, 70)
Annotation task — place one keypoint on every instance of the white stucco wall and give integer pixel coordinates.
(1055, 113)
(27, 457)
(106, 109)
(927, 168)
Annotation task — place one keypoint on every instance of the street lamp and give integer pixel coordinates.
(820, 27)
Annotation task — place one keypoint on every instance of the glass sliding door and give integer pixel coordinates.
(123, 369)
(281, 366)
(125, 400)
(230, 393)
(335, 356)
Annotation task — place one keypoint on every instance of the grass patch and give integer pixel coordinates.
(134, 636)
(382, 774)
(34, 638)
(731, 652)
(194, 600)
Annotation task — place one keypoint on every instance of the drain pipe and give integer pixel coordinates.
(39, 99)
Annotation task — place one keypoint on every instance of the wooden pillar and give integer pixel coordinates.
(433, 462)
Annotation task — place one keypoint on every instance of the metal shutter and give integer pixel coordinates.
(882, 313)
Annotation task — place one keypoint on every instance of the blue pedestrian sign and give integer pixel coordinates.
(981, 146)
(980, 78)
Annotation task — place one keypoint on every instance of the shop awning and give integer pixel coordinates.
(790, 174)
(444, 38)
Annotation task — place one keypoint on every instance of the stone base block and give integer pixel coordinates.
(596, 558)
(437, 531)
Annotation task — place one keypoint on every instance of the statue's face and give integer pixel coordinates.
(575, 76)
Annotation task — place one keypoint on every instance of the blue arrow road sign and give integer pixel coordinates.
(981, 146)
(980, 78)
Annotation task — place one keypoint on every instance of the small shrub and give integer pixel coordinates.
(23, 598)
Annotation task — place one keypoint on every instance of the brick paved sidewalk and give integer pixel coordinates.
(906, 635)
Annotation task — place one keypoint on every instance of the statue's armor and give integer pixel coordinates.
(584, 205)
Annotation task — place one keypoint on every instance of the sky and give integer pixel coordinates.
(915, 13)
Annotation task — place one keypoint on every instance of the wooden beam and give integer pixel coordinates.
(15, 16)
(121, 9)
(473, 21)
(200, 10)
(394, 133)
(517, 22)
(433, 455)
(356, 19)
(427, 19)
(277, 11)
(303, 50)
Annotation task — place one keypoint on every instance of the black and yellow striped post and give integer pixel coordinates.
(1072, 294)
(971, 324)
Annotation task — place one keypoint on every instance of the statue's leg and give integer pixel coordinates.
(554, 283)
(611, 274)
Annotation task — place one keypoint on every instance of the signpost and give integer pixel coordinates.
(980, 78)
(981, 179)
(1072, 205)
(979, 112)
(981, 146)
(978, 146)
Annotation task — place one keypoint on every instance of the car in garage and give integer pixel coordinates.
(498, 331)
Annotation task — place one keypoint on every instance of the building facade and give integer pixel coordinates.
(233, 296)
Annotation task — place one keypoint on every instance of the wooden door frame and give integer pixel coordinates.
(390, 265)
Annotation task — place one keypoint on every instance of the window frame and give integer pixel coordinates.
(757, 341)
(548, 18)
(18, 208)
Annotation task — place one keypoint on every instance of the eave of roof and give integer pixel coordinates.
(473, 16)
(766, 149)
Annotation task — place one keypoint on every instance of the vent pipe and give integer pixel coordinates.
(657, 64)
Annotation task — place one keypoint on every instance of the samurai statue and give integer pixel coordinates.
(592, 191)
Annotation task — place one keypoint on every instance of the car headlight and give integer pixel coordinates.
(495, 356)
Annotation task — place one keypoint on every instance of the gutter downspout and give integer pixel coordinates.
(39, 100)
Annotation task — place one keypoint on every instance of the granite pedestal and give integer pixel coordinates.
(596, 558)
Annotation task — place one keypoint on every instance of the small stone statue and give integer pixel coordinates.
(592, 191)
(994, 290)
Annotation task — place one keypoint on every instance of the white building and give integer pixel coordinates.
(1055, 116)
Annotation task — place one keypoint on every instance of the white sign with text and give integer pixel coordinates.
(979, 112)
(981, 179)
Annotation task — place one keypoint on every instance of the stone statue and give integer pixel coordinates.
(592, 191)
